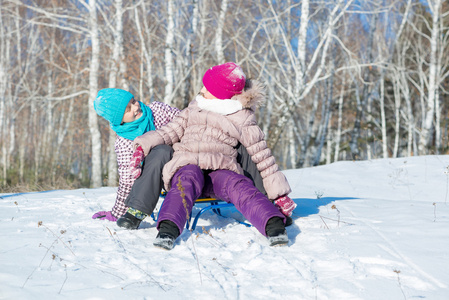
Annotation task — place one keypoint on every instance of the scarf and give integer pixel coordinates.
(222, 107)
(138, 127)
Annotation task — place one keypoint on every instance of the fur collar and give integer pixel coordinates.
(252, 97)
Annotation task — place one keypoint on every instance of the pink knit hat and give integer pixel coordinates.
(224, 81)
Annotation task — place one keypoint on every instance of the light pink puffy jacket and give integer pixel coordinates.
(207, 132)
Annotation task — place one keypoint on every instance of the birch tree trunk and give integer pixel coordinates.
(410, 121)
(169, 42)
(117, 60)
(397, 114)
(428, 124)
(49, 129)
(12, 116)
(437, 122)
(3, 84)
(37, 142)
(302, 50)
(369, 130)
(145, 44)
(339, 123)
(291, 145)
(300, 69)
(219, 35)
(203, 22)
(24, 136)
(93, 89)
(329, 141)
(382, 115)
(10, 113)
(441, 44)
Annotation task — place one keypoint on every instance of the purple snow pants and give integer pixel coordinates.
(189, 183)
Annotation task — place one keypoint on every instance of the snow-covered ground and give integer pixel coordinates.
(362, 230)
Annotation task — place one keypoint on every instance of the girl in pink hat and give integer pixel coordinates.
(204, 137)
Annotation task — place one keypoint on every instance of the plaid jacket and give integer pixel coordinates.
(162, 114)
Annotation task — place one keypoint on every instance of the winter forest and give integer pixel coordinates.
(345, 79)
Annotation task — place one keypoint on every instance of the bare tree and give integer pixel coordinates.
(191, 38)
(433, 77)
(169, 43)
(93, 89)
(143, 31)
(4, 44)
(339, 122)
(388, 60)
(310, 74)
(219, 35)
(118, 69)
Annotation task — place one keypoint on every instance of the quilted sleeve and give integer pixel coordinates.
(253, 139)
(124, 151)
(168, 134)
(162, 113)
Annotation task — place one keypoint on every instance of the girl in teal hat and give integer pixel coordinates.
(138, 192)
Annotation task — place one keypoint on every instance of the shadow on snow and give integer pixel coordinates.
(311, 206)
(305, 207)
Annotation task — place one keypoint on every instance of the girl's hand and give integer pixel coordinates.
(285, 205)
(104, 215)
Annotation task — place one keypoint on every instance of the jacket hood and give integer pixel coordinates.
(253, 95)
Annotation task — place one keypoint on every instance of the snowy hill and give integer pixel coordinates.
(362, 230)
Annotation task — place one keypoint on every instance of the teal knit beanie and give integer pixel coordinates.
(111, 104)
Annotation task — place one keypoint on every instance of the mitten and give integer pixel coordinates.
(135, 165)
(104, 215)
(285, 205)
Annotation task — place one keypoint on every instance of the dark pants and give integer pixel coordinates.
(145, 192)
(147, 188)
(249, 168)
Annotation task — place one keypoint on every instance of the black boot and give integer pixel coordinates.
(288, 221)
(276, 233)
(168, 232)
(128, 221)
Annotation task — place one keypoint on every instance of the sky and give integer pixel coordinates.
(375, 229)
